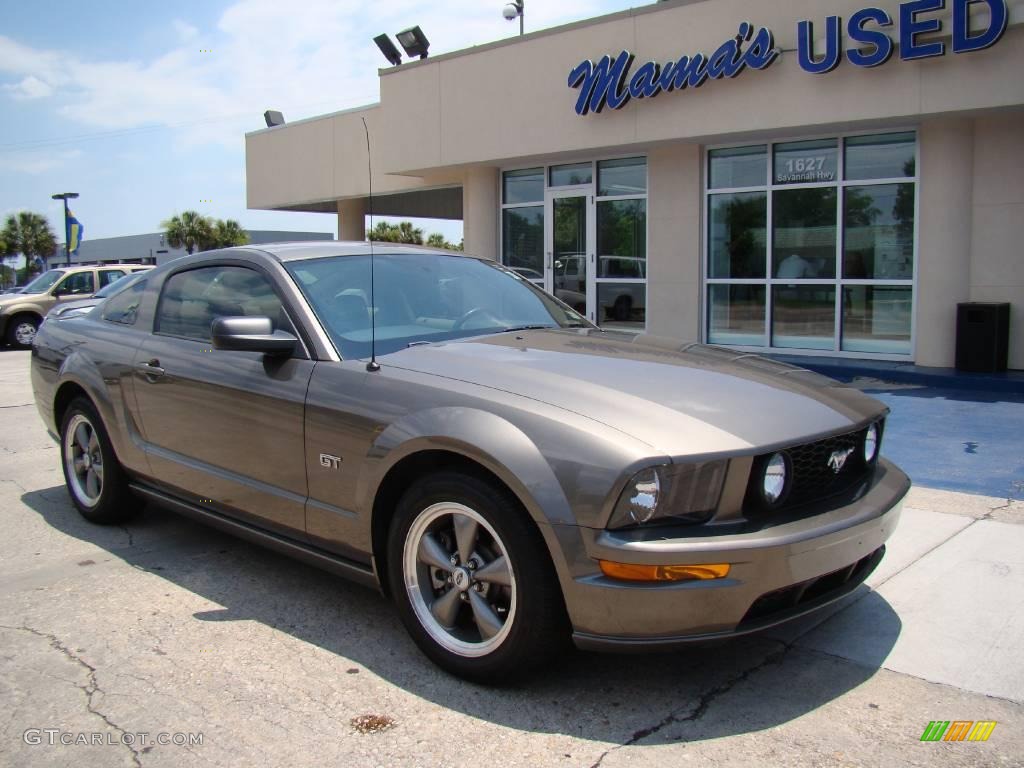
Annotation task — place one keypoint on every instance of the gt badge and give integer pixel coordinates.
(331, 462)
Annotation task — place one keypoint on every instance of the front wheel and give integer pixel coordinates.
(22, 331)
(472, 579)
(95, 479)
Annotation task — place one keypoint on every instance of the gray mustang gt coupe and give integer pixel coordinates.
(511, 475)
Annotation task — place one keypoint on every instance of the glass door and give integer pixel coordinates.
(569, 250)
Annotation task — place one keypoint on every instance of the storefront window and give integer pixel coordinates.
(876, 318)
(804, 316)
(888, 156)
(878, 234)
(575, 173)
(622, 238)
(834, 270)
(737, 315)
(804, 233)
(806, 162)
(523, 240)
(524, 186)
(737, 240)
(626, 176)
(622, 305)
(737, 167)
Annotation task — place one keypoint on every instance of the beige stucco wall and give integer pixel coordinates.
(997, 233)
(944, 235)
(480, 212)
(674, 241)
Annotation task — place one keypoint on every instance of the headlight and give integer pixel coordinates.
(775, 478)
(871, 443)
(682, 493)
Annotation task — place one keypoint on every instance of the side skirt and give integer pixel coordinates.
(299, 551)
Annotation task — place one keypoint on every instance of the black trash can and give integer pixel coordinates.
(982, 336)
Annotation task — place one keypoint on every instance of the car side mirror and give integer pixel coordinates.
(251, 334)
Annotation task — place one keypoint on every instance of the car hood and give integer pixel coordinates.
(680, 399)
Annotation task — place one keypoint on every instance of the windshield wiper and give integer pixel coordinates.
(525, 328)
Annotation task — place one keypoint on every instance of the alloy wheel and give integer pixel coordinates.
(459, 579)
(84, 460)
(25, 333)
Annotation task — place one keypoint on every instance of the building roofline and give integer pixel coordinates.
(328, 116)
(652, 7)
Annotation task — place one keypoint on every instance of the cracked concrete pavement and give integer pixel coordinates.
(165, 626)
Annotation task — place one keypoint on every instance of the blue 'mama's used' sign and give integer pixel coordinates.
(609, 83)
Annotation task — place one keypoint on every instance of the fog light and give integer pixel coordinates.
(871, 444)
(634, 572)
(776, 473)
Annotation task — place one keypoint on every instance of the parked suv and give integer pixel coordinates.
(22, 313)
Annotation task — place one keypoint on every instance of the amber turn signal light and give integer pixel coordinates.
(634, 572)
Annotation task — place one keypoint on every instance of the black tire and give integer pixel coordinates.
(534, 629)
(17, 327)
(109, 502)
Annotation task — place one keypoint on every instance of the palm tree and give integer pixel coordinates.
(402, 232)
(228, 233)
(190, 231)
(30, 235)
(436, 240)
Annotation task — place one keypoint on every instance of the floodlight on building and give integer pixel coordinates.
(388, 49)
(414, 42)
(273, 118)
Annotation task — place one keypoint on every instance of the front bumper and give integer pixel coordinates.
(778, 573)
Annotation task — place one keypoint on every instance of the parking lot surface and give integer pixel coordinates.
(168, 627)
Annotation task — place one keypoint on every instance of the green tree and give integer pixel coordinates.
(228, 233)
(437, 240)
(402, 232)
(191, 231)
(29, 234)
(7, 274)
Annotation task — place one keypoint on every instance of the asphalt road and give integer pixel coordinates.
(165, 626)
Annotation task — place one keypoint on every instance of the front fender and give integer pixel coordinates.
(480, 436)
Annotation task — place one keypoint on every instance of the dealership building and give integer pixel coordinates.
(803, 177)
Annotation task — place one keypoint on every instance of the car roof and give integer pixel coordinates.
(318, 249)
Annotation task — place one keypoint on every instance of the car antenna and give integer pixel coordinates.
(373, 365)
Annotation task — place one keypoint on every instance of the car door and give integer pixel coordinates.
(224, 429)
(77, 285)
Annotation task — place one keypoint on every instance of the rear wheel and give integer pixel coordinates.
(21, 331)
(472, 579)
(94, 477)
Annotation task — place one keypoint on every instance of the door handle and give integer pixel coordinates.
(151, 369)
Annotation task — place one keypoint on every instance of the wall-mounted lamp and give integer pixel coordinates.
(273, 118)
(514, 11)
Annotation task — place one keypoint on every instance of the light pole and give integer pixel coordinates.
(65, 196)
(514, 9)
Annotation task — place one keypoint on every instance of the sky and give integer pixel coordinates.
(142, 107)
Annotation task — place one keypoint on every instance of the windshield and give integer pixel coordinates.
(422, 298)
(44, 281)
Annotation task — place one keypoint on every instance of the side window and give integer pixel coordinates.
(123, 307)
(107, 276)
(78, 284)
(192, 300)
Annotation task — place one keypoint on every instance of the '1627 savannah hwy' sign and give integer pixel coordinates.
(609, 82)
